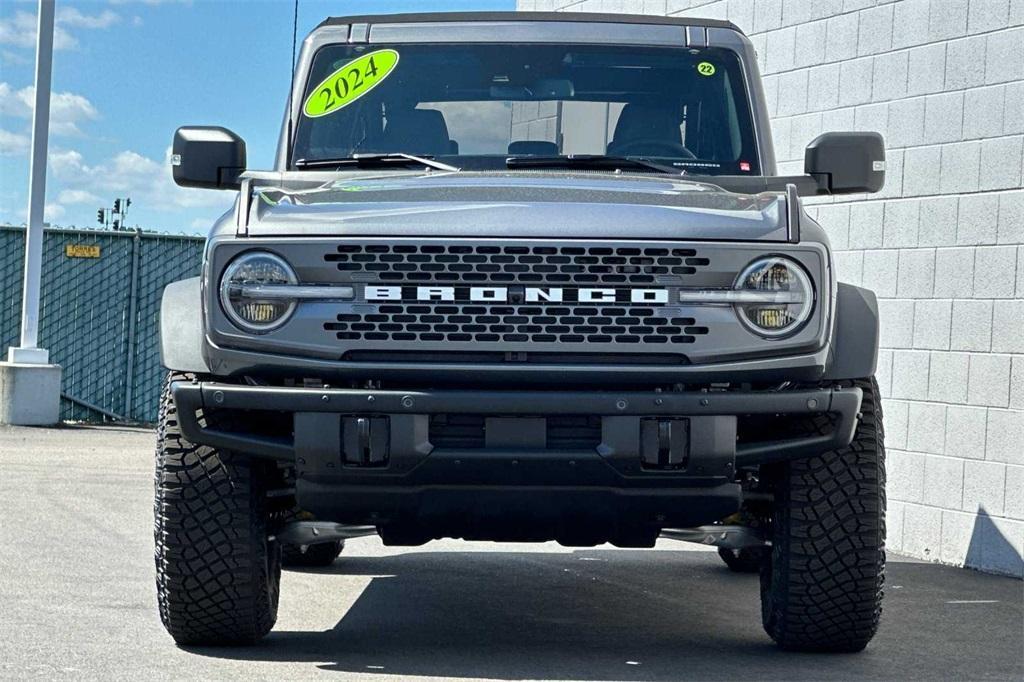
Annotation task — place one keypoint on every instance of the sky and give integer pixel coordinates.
(126, 73)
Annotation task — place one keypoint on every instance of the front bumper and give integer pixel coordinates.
(320, 407)
(658, 459)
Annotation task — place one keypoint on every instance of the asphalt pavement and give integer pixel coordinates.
(77, 600)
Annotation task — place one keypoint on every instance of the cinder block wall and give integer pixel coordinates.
(943, 80)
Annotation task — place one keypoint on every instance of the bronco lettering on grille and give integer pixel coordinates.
(526, 294)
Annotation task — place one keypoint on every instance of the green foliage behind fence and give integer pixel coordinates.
(99, 315)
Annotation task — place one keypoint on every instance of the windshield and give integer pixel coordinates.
(476, 105)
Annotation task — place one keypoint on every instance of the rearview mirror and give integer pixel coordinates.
(543, 89)
(210, 157)
(847, 163)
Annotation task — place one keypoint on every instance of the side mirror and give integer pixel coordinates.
(210, 157)
(847, 163)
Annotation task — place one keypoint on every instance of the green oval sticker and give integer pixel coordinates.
(350, 82)
(706, 69)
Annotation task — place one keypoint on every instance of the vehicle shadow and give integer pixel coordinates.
(585, 615)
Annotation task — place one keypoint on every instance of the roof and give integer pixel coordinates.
(576, 17)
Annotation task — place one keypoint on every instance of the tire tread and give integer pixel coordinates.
(215, 584)
(822, 589)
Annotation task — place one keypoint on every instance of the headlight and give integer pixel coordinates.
(242, 289)
(774, 296)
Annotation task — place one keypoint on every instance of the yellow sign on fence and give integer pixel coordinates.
(82, 251)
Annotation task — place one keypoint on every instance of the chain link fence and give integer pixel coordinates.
(99, 313)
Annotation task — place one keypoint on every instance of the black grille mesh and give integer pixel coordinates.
(516, 324)
(624, 265)
(468, 432)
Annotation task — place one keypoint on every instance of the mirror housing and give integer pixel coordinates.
(847, 162)
(209, 157)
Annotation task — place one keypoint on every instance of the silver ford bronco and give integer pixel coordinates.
(522, 277)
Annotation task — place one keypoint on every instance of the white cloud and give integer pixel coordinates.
(129, 174)
(12, 144)
(10, 104)
(19, 30)
(79, 185)
(69, 15)
(67, 109)
(53, 212)
(78, 196)
(150, 2)
(11, 57)
(64, 161)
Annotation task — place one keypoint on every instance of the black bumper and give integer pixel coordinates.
(655, 459)
(324, 406)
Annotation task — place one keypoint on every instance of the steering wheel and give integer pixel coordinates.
(653, 146)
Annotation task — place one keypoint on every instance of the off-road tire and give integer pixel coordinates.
(822, 588)
(318, 555)
(217, 576)
(746, 560)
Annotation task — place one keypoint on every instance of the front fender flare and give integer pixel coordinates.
(181, 327)
(854, 349)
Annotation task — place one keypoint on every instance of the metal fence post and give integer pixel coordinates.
(133, 313)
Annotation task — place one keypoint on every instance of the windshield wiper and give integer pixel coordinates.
(592, 161)
(371, 160)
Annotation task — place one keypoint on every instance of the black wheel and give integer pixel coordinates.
(822, 588)
(217, 576)
(746, 560)
(320, 554)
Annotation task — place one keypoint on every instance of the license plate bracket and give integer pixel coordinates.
(664, 442)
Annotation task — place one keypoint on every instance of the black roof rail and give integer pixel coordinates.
(584, 17)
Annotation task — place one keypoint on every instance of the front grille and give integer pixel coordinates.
(457, 431)
(508, 301)
(468, 432)
(517, 324)
(500, 357)
(515, 263)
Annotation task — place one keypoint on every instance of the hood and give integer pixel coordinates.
(520, 203)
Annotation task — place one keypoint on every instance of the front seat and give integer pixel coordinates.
(649, 122)
(417, 131)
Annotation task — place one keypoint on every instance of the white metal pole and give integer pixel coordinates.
(29, 351)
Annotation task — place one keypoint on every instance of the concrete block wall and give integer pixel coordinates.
(942, 245)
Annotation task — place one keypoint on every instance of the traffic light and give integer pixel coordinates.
(117, 225)
(99, 216)
(127, 203)
(117, 205)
